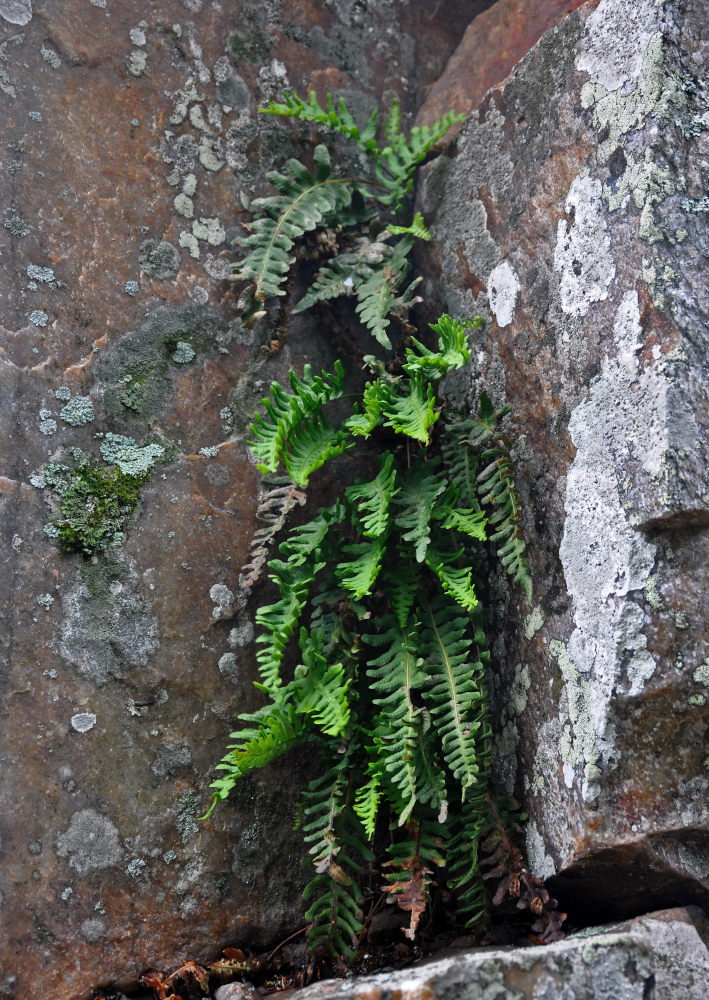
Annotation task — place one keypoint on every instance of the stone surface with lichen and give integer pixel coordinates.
(566, 214)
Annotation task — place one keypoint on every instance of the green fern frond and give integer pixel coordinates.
(286, 434)
(456, 581)
(343, 274)
(335, 839)
(455, 695)
(460, 461)
(359, 574)
(394, 675)
(367, 802)
(310, 445)
(280, 620)
(371, 500)
(464, 877)
(373, 398)
(496, 488)
(339, 118)
(417, 496)
(417, 229)
(376, 298)
(304, 201)
(413, 413)
(469, 521)
(338, 277)
(401, 580)
(452, 354)
(305, 539)
(278, 731)
(393, 136)
(397, 162)
(320, 689)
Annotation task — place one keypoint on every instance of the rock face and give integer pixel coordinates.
(573, 215)
(665, 954)
(131, 146)
(494, 42)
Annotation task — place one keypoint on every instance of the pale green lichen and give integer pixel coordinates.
(183, 353)
(190, 243)
(136, 868)
(183, 205)
(580, 744)
(209, 230)
(63, 393)
(697, 700)
(38, 317)
(78, 411)
(518, 693)
(533, 622)
(136, 61)
(187, 812)
(680, 619)
(701, 674)
(652, 594)
(126, 455)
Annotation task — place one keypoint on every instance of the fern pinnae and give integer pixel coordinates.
(304, 202)
(321, 687)
(412, 413)
(416, 228)
(394, 675)
(359, 573)
(454, 692)
(285, 431)
(496, 488)
(334, 833)
(338, 119)
(420, 489)
(371, 500)
(367, 801)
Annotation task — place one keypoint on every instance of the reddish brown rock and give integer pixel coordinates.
(493, 44)
(130, 145)
(572, 214)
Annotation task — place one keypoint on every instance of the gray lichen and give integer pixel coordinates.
(90, 842)
(78, 411)
(126, 455)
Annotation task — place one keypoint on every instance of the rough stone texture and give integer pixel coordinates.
(573, 215)
(130, 148)
(493, 44)
(664, 954)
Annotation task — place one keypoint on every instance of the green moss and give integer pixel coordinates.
(137, 386)
(96, 505)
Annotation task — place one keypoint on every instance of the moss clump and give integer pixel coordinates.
(96, 505)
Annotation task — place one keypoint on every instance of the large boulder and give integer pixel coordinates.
(131, 148)
(572, 213)
(664, 954)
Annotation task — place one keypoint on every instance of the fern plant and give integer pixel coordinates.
(377, 595)
(373, 650)
(373, 270)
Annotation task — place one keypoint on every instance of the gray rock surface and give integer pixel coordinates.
(663, 956)
(572, 215)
